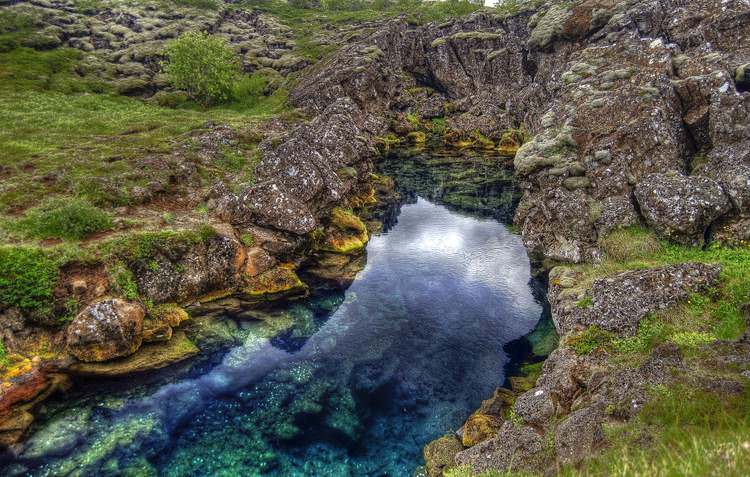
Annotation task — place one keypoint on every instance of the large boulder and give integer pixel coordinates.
(580, 435)
(680, 207)
(106, 330)
(518, 447)
(439, 455)
(618, 303)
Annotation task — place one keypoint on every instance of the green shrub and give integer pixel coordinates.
(202, 65)
(28, 278)
(68, 219)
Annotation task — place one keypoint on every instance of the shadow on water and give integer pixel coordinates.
(344, 383)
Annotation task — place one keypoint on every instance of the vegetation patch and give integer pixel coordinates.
(690, 432)
(203, 65)
(68, 219)
(28, 279)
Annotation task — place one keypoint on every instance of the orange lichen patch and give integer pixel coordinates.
(280, 281)
(258, 261)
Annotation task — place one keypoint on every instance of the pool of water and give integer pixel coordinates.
(345, 383)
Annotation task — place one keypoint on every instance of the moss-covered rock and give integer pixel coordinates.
(346, 234)
(554, 147)
(278, 282)
(549, 27)
(439, 455)
(106, 330)
(149, 357)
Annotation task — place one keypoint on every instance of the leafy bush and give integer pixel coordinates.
(28, 278)
(202, 65)
(69, 219)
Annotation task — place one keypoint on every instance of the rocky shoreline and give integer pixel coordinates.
(628, 125)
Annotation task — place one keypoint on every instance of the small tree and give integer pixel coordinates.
(204, 66)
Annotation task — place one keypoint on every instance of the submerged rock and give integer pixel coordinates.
(105, 330)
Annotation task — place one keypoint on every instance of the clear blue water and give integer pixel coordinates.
(349, 383)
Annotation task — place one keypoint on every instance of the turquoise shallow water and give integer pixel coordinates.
(347, 383)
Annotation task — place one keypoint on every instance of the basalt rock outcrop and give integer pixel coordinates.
(614, 95)
(618, 303)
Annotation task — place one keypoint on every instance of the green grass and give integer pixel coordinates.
(68, 219)
(28, 278)
(91, 144)
(690, 432)
(4, 359)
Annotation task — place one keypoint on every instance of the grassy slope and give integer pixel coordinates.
(681, 431)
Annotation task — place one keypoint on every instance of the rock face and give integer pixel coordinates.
(615, 97)
(179, 271)
(518, 447)
(105, 330)
(305, 173)
(619, 303)
(681, 207)
(149, 357)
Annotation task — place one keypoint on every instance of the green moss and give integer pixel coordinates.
(588, 340)
(585, 302)
(69, 219)
(651, 332)
(4, 359)
(413, 119)
(51, 70)
(123, 281)
(143, 246)
(247, 239)
(438, 42)
(28, 278)
(437, 126)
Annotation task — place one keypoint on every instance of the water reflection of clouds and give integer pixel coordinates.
(440, 294)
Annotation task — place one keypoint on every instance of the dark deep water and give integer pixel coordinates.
(350, 383)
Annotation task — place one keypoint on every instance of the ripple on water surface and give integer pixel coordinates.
(355, 387)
